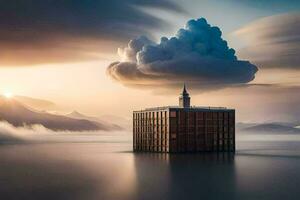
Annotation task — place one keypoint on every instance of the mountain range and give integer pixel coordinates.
(78, 115)
(269, 128)
(18, 114)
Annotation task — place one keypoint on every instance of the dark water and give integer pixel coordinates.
(264, 170)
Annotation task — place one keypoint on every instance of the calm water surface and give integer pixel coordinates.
(104, 170)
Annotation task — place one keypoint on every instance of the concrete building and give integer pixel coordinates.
(184, 128)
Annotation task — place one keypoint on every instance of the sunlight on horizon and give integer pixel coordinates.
(8, 95)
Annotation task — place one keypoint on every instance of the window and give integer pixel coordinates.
(220, 115)
(173, 114)
(226, 115)
(215, 115)
(210, 129)
(200, 130)
(208, 115)
(199, 115)
(200, 122)
(209, 123)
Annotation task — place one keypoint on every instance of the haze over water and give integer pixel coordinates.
(101, 167)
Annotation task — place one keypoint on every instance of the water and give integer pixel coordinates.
(109, 170)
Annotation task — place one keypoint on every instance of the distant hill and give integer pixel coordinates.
(78, 115)
(242, 125)
(269, 128)
(18, 114)
(125, 123)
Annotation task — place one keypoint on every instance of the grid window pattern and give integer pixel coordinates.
(151, 131)
(184, 130)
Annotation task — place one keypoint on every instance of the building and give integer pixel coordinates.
(184, 128)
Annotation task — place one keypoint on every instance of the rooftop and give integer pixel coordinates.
(184, 104)
(194, 108)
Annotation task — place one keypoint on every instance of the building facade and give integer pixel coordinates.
(184, 128)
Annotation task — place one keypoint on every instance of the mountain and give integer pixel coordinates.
(78, 115)
(275, 128)
(18, 114)
(121, 121)
(242, 125)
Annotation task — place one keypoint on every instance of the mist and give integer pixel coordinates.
(39, 134)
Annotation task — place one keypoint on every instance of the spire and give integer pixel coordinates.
(184, 92)
(184, 99)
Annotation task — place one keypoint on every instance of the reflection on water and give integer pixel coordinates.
(111, 171)
(184, 176)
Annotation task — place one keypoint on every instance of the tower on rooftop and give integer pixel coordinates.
(184, 98)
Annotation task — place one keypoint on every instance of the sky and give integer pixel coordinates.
(110, 58)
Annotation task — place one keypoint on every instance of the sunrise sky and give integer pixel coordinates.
(77, 55)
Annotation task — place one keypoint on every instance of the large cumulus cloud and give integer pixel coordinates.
(197, 55)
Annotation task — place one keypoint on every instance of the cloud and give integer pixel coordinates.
(272, 42)
(273, 5)
(12, 134)
(38, 133)
(261, 103)
(197, 55)
(49, 31)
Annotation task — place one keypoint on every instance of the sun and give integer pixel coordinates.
(8, 95)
